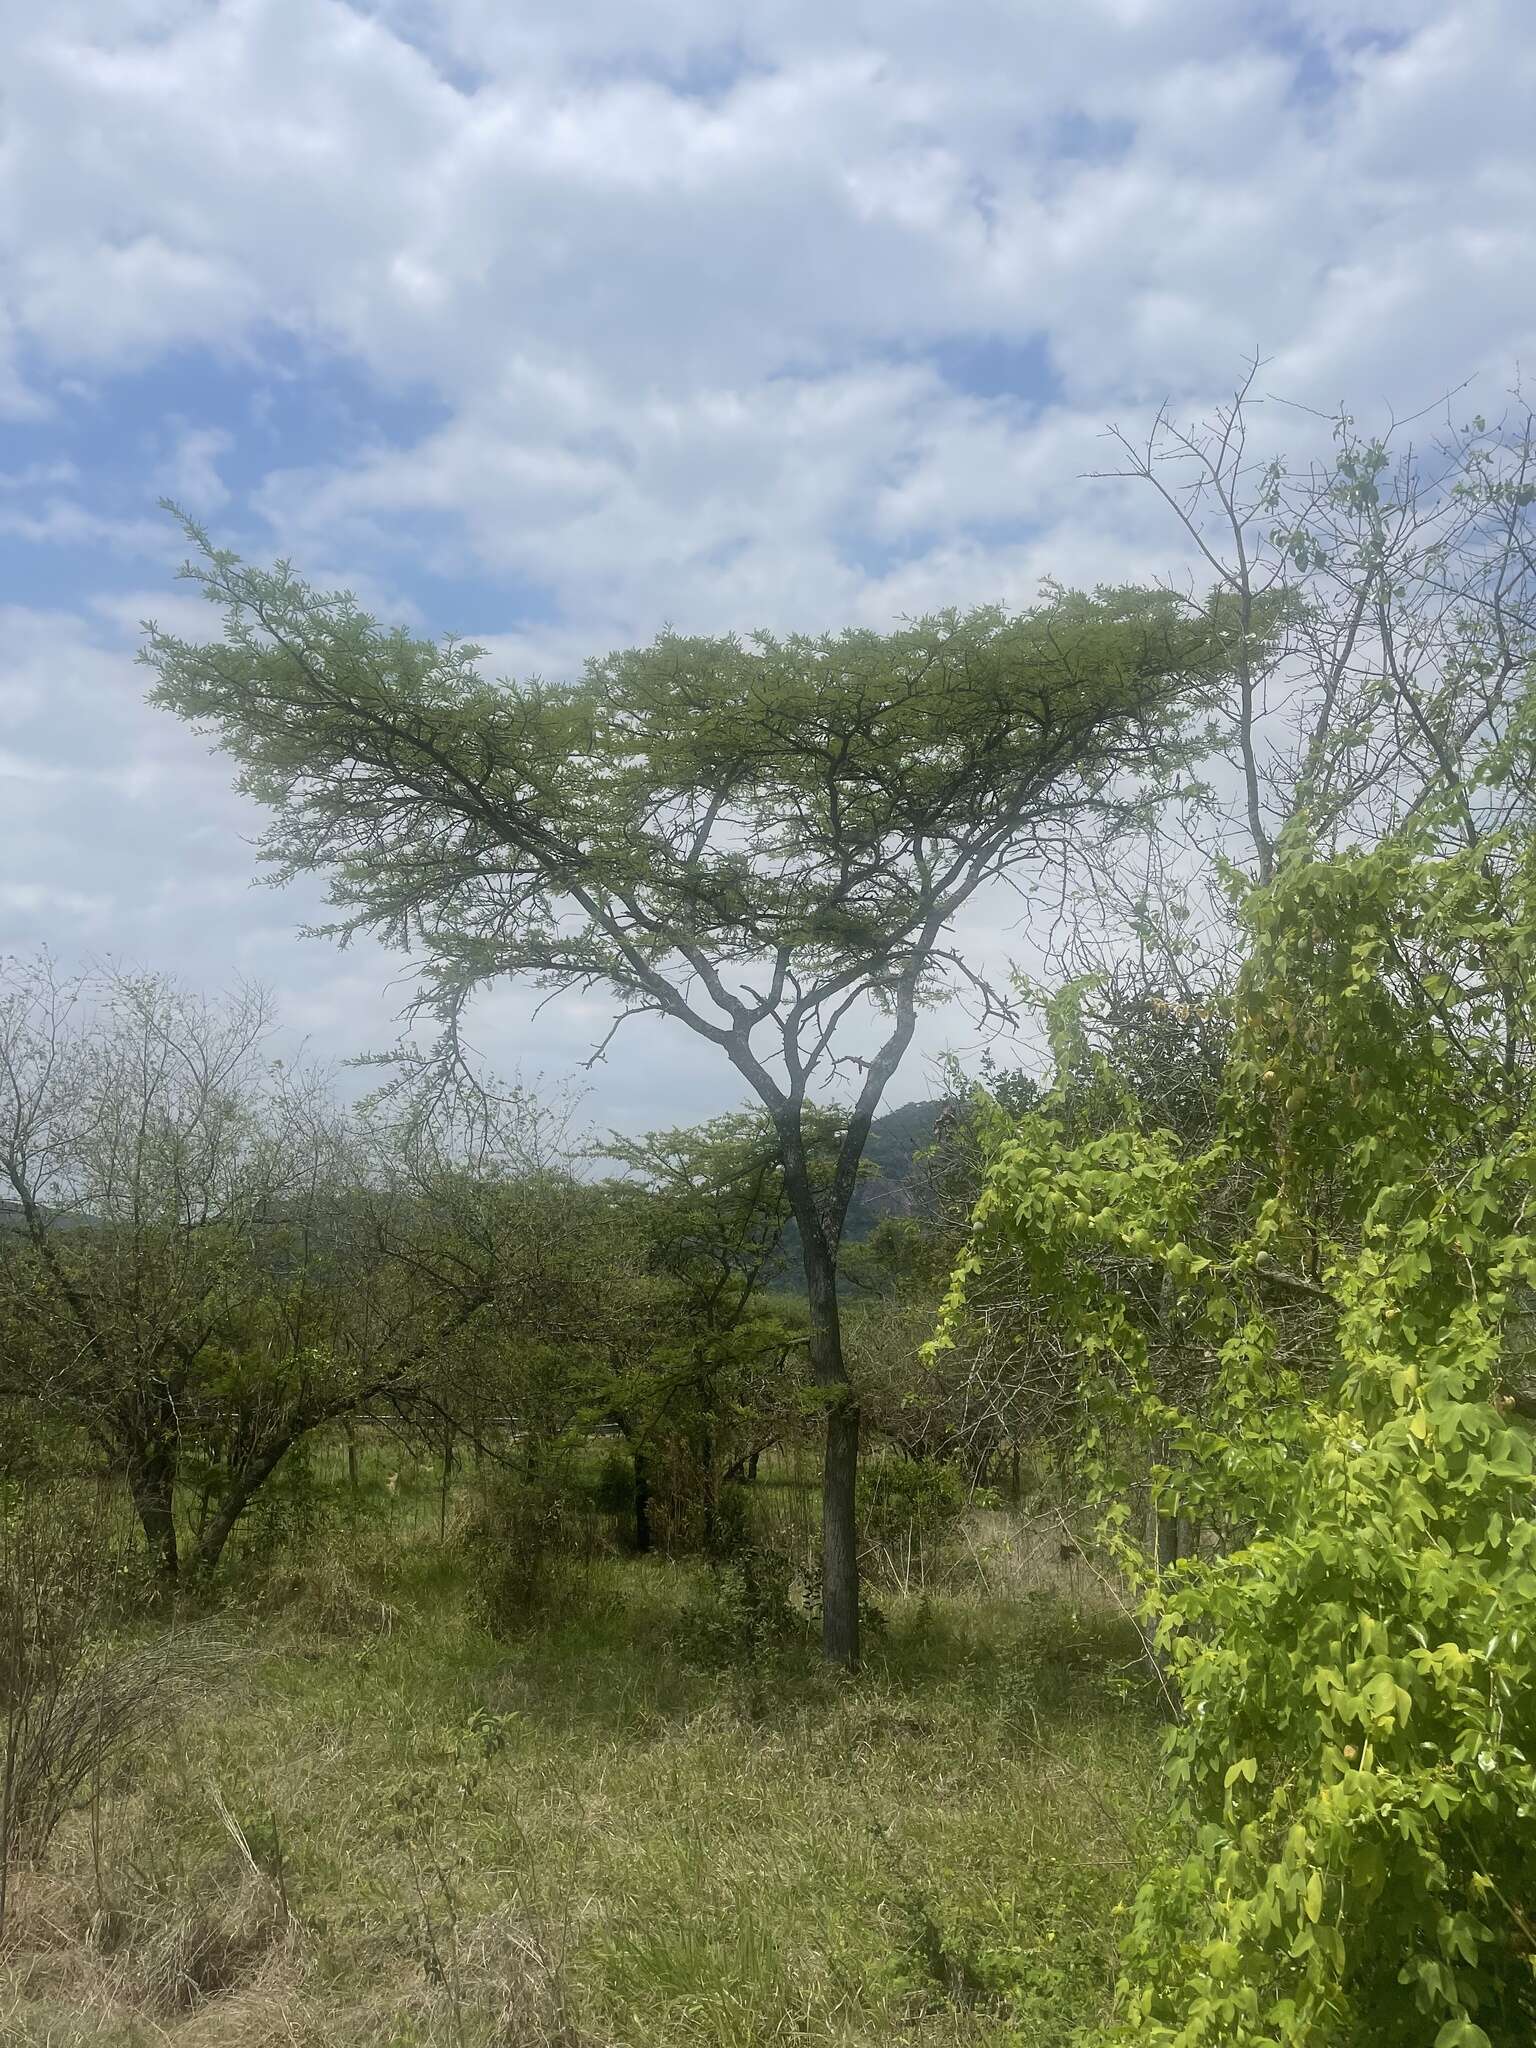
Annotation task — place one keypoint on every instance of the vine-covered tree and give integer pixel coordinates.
(766, 841)
(1350, 1258)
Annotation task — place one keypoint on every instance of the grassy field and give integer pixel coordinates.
(367, 1819)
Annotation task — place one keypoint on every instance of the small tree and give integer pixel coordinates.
(141, 1140)
(574, 1311)
(712, 1208)
(202, 1259)
(767, 842)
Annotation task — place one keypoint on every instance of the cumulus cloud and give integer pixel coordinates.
(190, 475)
(789, 314)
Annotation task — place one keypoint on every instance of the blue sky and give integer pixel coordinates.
(549, 323)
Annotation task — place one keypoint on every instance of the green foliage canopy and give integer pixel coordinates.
(737, 834)
(1355, 1769)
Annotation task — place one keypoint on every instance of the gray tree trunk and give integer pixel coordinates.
(840, 1467)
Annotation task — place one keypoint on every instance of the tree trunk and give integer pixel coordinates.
(839, 1536)
(840, 1469)
(243, 1487)
(704, 1458)
(744, 1471)
(447, 1481)
(642, 1501)
(151, 1475)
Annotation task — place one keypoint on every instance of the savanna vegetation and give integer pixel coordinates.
(1055, 1564)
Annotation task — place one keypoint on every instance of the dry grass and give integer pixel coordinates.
(79, 1968)
(384, 1827)
(75, 1693)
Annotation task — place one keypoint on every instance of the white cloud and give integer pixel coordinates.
(38, 475)
(36, 899)
(66, 522)
(299, 164)
(190, 475)
(703, 298)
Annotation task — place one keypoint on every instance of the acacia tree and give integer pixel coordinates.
(766, 841)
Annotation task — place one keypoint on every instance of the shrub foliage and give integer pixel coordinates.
(1346, 1272)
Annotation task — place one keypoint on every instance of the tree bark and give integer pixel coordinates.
(839, 1535)
(444, 1486)
(709, 1494)
(642, 1501)
(840, 1468)
(151, 1475)
(244, 1485)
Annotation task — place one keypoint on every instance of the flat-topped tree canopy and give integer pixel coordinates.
(758, 837)
(731, 832)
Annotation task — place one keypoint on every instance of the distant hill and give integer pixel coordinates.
(13, 1218)
(891, 1183)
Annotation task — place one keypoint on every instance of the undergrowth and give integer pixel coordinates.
(644, 1817)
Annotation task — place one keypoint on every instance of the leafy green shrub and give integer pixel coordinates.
(34, 1451)
(292, 1515)
(684, 1496)
(613, 1490)
(806, 1581)
(1353, 1855)
(742, 1611)
(1357, 1766)
(734, 1529)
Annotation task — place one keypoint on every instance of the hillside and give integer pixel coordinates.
(891, 1183)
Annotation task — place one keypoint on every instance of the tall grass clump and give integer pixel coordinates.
(73, 1695)
(530, 1544)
